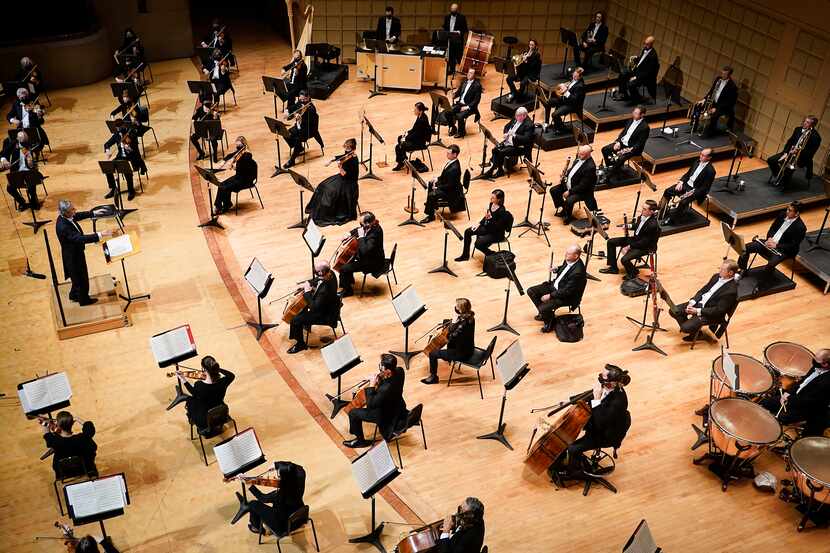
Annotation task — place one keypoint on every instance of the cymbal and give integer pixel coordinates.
(410, 50)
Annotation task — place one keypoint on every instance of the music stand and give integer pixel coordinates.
(613, 65)
(641, 541)
(672, 83)
(116, 168)
(340, 357)
(512, 369)
(203, 89)
(118, 249)
(733, 240)
(504, 325)
(372, 134)
(816, 245)
(540, 228)
(568, 38)
(410, 208)
(275, 86)
(28, 271)
(654, 325)
(439, 102)
(596, 227)
(373, 470)
(27, 180)
(302, 184)
(314, 240)
(507, 69)
(379, 46)
(210, 177)
(741, 150)
(488, 136)
(80, 494)
(260, 282)
(278, 129)
(409, 307)
(448, 226)
(44, 394)
(209, 131)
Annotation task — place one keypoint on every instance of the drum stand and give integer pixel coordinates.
(727, 467)
(811, 509)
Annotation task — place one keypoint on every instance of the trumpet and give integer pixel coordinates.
(194, 374)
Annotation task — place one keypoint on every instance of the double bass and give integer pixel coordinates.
(556, 437)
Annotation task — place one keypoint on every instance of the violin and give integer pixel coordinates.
(70, 541)
(236, 156)
(259, 480)
(341, 159)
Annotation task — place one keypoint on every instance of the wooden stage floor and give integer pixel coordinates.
(196, 277)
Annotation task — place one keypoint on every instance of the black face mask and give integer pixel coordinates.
(818, 366)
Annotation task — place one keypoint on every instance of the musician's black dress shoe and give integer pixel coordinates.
(452, 131)
(462, 258)
(22, 207)
(538, 318)
(609, 270)
(548, 327)
(131, 195)
(109, 194)
(428, 219)
(356, 443)
(499, 173)
(347, 293)
(200, 157)
(288, 164)
(689, 338)
(297, 348)
(567, 220)
(88, 301)
(397, 167)
(431, 379)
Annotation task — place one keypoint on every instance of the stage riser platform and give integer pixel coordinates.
(595, 77)
(691, 221)
(549, 141)
(779, 283)
(107, 314)
(662, 149)
(617, 113)
(629, 176)
(505, 108)
(325, 78)
(816, 261)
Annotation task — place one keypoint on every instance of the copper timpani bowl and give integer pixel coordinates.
(754, 378)
(788, 359)
(739, 422)
(810, 460)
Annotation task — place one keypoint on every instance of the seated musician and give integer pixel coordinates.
(269, 512)
(492, 228)
(463, 531)
(389, 27)
(58, 436)
(607, 426)
(207, 112)
(385, 405)
(806, 400)
(629, 143)
(305, 127)
(578, 185)
(565, 288)
(798, 153)
(465, 103)
(570, 102)
(216, 35)
(447, 187)
(415, 138)
(121, 146)
(592, 40)
(17, 156)
(724, 96)
(29, 75)
(128, 109)
(334, 201)
(130, 55)
(208, 393)
(369, 258)
(644, 72)
(460, 339)
(218, 73)
(694, 185)
(246, 174)
(89, 544)
(784, 236)
(642, 241)
(526, 72)
(322, 304)
(517, 140)
(296, 80)
(711, 304)
(26, 114)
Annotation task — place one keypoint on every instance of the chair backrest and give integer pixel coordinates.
(414, 416)
(216, 418)
(298, 518)
(488, 352)
(509, 224)
(720, 328)
(466, 181)
(626, 425)
(391, 260)
(70, 467)
(579, 294)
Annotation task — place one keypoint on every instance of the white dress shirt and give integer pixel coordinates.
(21, 163)
(452, 22)
(816, 374)
(568, 90)
(718, 89)
(640, 226)
(711, 292)
(511, 133)
(464, 93)
(643, 57)
(388, 27)
(574, 168)
(596, 402)
(595, 31)
(24, 118)
(562, 273)
(782, 229)
(700, 167)
(633, 127)
(215, 72)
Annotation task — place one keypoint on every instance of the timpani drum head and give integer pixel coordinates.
(754, 377)
(789, 358)
(811, 456)
(747, 422)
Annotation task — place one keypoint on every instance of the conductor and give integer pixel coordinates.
(73, 240)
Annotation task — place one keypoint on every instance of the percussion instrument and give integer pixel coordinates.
(790, 361)
(294, 307)
(438, 340)
(410, 50)
(558, 436)
(477, 52)
(810, 461)
(345, 252)
(754, 378)
(741, 428)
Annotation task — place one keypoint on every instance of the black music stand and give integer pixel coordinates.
(28, 272)
(672, 84)
(816, 245)
(568, 38)
(439, 102)
(488, 136)
(96, 517)
(540, 228)
(117, 168)
(132, 89)
(373, 537)
(275, 86)
(302, 184)
(507, 69)
(339, 364)
(504, 325)
(512, 366)
(278, 129)
(203, 89)
(408, 312)
(654, 325)
(54, 275)
(373, 134)
(260, 282)
(210, 177)
(313, 240)
(28, 180)
(410, 208)
(209, 131)
(613, 65)
(379, 46)
(448, 226)
(596, 227)
(741, 150)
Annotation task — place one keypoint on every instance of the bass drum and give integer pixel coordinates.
(754, 378)
(741, 428)
(810, 460)
(477, 52)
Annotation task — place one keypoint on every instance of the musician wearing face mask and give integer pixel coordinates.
(461, 331)
(217, 36)
(415, 138)
(577, 185)
(806, 399)
(389, 27)
(270, 512)
(447, 187)
(18, 156)
(89, 544)
(465, 103)
(122, 146)
(334, 201)
(463, 531)
(518, 136)
(565, 287)
(491, 229)
(571, 101)
(646, 233)
(205, 393)
(644, 72)
(385, 405)
(693, 186)
(592, 40)
(723, 95)
(369, 258)
(322, 304)
(305, 127)
(130, 55)
(526, 72)
(30, 76)
(73, 241)
(217, 70)
(711, 304)
(206, 112)
(629, 143)
(128, 109)
(27, 115)
(246, 173)
(455, 23)
(607, 426)
(59, 437)
(798, 153)
(296, 80)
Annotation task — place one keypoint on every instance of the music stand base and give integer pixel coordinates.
(443, 269)
(130, 299)
(181, 397)
(37, 224)
(503, 325)
(212, 222)
(405, 356)
(650, 345)
(373, 537)
(124, 212)
(498, 436)
(261, 327)
(336, 404)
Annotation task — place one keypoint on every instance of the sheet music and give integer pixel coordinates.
(339, 353)
(172, 344)
(238, 451)
(510, 362)
(407, 303)
(118, 246)
(641, 541)
(44, 392)
(97, 496)
(312, 236)
(256, 276)
(373, 466)
(729, 369)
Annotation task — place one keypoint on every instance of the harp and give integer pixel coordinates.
(305, 35)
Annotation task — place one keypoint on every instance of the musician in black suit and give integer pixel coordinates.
(807, 399)
(322, 304)
(629, 143)
(389, 27)
(218, 72)
(30, 76)
(810, 140)
(121, 146)
(27, 115)
(517, 140)
(526, 72)
(305, 127)
(711, 304)
(456, 23)
(415, 138)
(244, 177)
(205, 112)
(570, 102)
(724, 96)
(370, 258)
(565, 289)
(694, 186)
(461, 333)
(644, 73)
(16, 156)
(465, 103)
(447, 187)
(296, 81)
(607, 427)
(208, 393)
(646, 232)
(73, 240)
(492, 228)
(58, 436)
(577, 185)
(592, 40)
(273, 509)
(467, 534)
(783, 241)
(385, 405)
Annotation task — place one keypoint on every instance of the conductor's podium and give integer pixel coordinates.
(107, 314)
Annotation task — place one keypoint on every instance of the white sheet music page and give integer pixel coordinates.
(510, 362)
(339, 353)
(312, 236)
(256, 276)
(729, 369)
(44, 392)
(238, 451)
(97, 496)
(120, 245)
(376, 464)
(173, 343)
(407, 303)
(642, 541)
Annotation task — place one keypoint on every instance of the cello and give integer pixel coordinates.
(361, 396)
(556, 437)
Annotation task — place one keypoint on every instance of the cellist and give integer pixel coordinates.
(461, 332)
(385, 405)
(369, 258)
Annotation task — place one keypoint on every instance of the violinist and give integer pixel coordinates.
(208, 111)
(88, 544)
(218, 72)
(491, 229)
(385, 405)
(526, 72)
(296, 79)
(334, 201)
(447, 187)
(217, 36)
(26, 114)
(15, 156)
(322, 304)
(208, 393)
(57, 433)
(246, 173)
(128, 109)
(608, 425)
(270, 511)
(130, 55)
(463, 532)
(30, 76)
(369, 258)
(461, 332)
(305, 127)
(121, 146)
